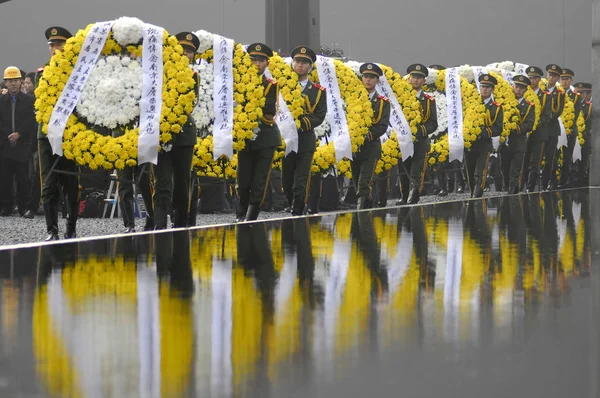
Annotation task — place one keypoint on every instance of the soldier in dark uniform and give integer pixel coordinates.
(585, 90)
(172, 173)
(557, 104)
(566, 78)
(256, 160)
(413, 169)
(515, 147)
(365, 160)
(476, 157)
(52, 182)
(296, 166)
(537, 139)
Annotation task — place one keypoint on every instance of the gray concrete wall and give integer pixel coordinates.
(428, 31)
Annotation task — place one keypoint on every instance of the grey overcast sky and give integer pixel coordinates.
(447, 32)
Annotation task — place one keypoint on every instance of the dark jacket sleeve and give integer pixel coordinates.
(546, 112)
(26, 124)
(380, 122)
(270, 108)
(310, 120)
(429, 123)
(527, 125)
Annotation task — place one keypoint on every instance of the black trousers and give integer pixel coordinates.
(296, 179)
(126, 199)
(14, 170)
(52, 182)
(477, 163)
(172, 183)
(512, 169)
(549, 172)
(416, 166)
(565, 174)
(532, 162)
(253, 174)
(35, 193)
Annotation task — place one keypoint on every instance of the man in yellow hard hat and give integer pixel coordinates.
(17, 130)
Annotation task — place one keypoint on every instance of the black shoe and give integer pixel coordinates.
(4, 213)
(551, 186)
(413, 196)
(52, 236)
(252, 213)
(442, 192)
(129, 230)
(149, 226)
(288, 209)
(460, 189)
(71, 234)
(296, 214)
(401, 202)
(29, 214)
(478, 192)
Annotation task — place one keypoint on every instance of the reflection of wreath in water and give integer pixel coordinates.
(110, 99)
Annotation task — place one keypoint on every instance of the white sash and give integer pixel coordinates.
(452, 283)
(576, 150)
(340, 132)
(521, 69)
(223, 97)
(455, 119)
(151, 101)
(397, 119)
(90, 51)
(285, 122)
(562, 138)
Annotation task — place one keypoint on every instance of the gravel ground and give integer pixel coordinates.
(17, 230)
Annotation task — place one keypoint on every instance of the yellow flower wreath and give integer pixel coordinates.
(80, 141)
(504, 95)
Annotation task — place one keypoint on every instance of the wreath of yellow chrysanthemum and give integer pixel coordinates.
(473, 109)
(205, 165)
(531, 97)
(580, 128)
(323, 158)
(505, 96)
(248, 95)
(440, 151)
(81, 141)
(287, 80)
(359, 113)
(390, 154)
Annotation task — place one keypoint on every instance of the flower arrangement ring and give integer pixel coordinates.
(110, 100)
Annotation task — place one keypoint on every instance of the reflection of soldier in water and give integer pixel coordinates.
(363, 234)
(173, 261)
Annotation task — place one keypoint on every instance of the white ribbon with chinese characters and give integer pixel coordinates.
(340, 133)
(521, 69)
(223, 97)
(397, 119)
(285, 121)
(508, 76)
(562, 138)
(576, 150)
(456, 141)
(151, 101)
(478, 71)
(90, 51)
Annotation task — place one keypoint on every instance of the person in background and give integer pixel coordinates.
(17, 129)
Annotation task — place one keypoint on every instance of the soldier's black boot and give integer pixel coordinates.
(241, 214)
(252, 213)
(361, 203)
(51, 214)
(149, 225)
(413, 195)
(442, 181)
(128, 214)
(478, 191)
(73, 214)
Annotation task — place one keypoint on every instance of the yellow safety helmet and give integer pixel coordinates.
(12, 72)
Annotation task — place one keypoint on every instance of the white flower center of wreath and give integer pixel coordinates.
(112, 93)
(204, 113)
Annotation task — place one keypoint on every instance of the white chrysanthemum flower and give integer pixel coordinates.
(355, 66)
(507, 65)
(204, 113)
(466, 71)
(128, 30)
(206, 41)
(432, 77)
(112, 93)
(442, 112)
(323, 128)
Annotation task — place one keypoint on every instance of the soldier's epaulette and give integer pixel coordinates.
(546, 92)
(381, 97)
(588, 102)
(497, 104)
(429, 97)
(529, 103)
(40, 69)
(319, 86)
(272, 81)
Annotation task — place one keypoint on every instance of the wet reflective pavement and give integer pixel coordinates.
(493, 298)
